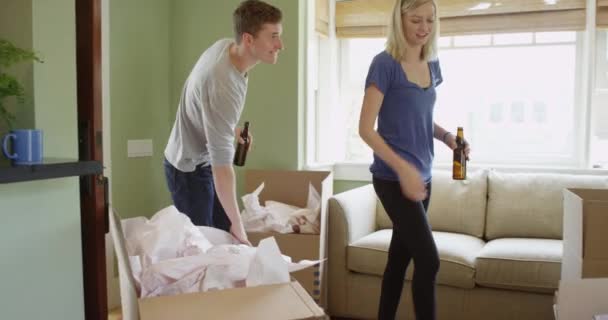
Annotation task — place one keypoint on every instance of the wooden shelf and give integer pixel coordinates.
(49, 169)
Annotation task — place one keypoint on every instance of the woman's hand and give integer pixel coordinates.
(412, 185)
(450, 141)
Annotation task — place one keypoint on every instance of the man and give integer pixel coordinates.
(200, 151)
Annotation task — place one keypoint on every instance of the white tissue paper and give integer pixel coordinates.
(280, 217)
(169, 255)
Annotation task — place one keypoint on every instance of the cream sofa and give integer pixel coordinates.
(499, 240)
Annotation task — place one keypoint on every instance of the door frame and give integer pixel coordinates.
(93, 203)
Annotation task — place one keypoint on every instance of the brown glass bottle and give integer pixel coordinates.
(459, 167)
(241, 148)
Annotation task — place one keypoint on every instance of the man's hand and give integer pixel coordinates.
(238, 131)
(223, 178)
(238, 231)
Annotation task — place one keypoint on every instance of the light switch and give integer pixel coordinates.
(139, 148)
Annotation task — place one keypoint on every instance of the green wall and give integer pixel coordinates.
(271, 105)
(153, 46)
(55, 79)
(140, 104)
(272, 95)
(344, 185)
(40, 250)
(16, 27)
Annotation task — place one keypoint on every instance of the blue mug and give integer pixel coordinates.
(26, 146)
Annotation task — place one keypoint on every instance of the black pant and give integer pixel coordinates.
(193, 194)
(412, 239)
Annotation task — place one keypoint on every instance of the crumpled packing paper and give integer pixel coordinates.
(280, 217)
(169, 256)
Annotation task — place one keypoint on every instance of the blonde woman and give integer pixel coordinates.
(400, 94)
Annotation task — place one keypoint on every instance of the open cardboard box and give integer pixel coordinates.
(291, 187)
(582, 299)
(286, 301)
(585, 234)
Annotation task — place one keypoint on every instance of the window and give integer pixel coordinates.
(599, 115)
(355, 58)
(516, 95)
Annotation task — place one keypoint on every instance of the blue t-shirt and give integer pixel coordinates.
(405, 120)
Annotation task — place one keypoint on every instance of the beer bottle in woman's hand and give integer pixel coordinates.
(459, 167)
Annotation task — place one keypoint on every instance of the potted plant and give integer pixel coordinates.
(9, 85)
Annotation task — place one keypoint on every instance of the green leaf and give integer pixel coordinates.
(10, 54)
(9, 86)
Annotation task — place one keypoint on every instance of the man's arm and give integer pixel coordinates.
(220, 117)
(225, 187)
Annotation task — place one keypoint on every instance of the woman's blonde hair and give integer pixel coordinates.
(395, 43)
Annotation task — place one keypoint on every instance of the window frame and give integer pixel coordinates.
(583, 104)
(348, 168)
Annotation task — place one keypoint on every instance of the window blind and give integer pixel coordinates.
(601, 19)
(322, 17)
(369, 18)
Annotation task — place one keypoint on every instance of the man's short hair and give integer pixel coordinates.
(251, 15)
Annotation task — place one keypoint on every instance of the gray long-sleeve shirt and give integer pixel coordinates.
(209, 109)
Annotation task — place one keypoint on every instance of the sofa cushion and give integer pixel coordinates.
(524, 205)
(457, 253)
(456, 206)
(523, 264)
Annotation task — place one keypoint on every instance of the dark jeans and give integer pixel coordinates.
(193, 194)
(412, 239)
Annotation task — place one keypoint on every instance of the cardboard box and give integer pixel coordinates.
(286, 301)
(280, 301)
(582, 299)
(291, 187)
(585, 234)
(298, 247)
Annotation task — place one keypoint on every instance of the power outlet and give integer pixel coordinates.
(139, 148)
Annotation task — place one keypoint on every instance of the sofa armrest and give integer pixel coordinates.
(352, 215)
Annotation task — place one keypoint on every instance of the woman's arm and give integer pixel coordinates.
(444, 136)
(449, 139)
(410, 179)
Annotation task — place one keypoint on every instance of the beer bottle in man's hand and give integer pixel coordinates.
(241, 148)
(459, 167)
